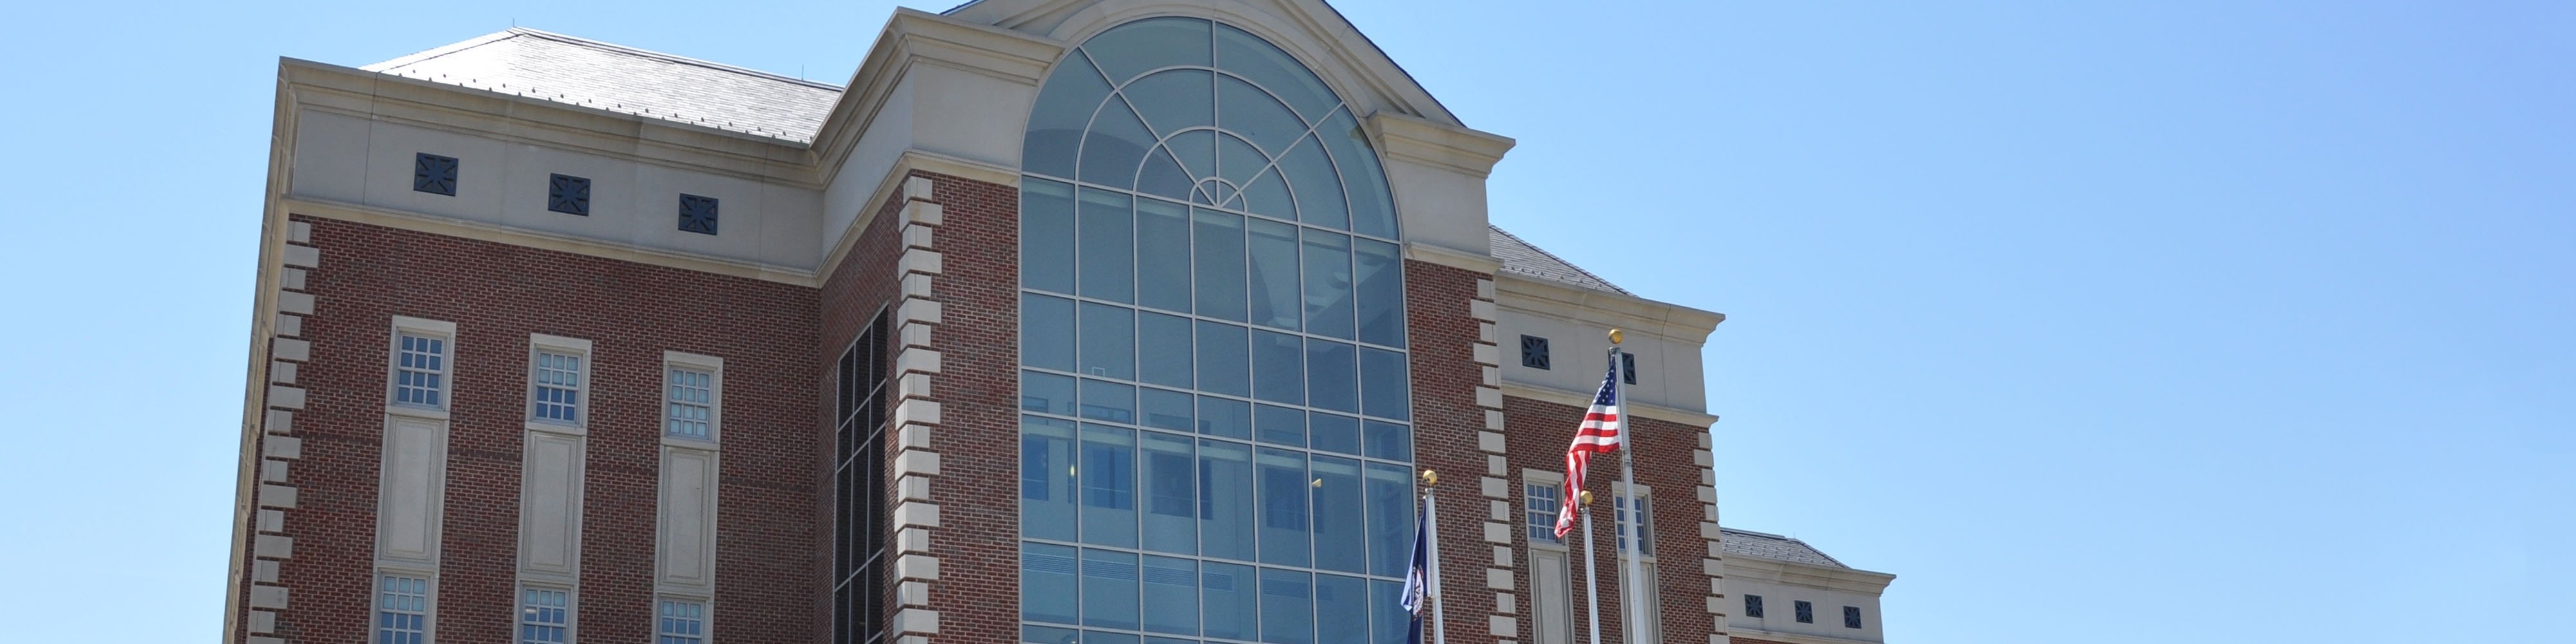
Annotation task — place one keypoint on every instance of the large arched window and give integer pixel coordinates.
(1216, 436)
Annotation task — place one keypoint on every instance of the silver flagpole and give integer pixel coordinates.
(1431, 566)
(1631, 581)
(1591, 587)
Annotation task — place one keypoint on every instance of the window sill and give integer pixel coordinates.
(557, 428)
(707, 444)
(430, 413)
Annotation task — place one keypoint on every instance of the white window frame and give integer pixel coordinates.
(1535, 478)
(1654, 610)
(585, 397)
(442, 330)
(714, 368)
(428, 602)
(706, 616)
(519, 607)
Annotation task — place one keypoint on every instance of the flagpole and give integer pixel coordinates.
(1431, 563)
(1591, 586)
(1630, 578)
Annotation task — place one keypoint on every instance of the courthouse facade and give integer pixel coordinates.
(1095, 321)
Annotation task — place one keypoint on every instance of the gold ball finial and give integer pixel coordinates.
(1585, 497)
(1615, 336)
(1430, 477)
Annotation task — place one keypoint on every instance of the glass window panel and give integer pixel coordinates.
(1233, 607)
(1340, 531)
(1274, 274)
(1330, 378)
(1046, 393)
(1334, 432)
(1390, 441)
(1116, 142)
(1243, 53)
(1163, 176)
(1108, 341)
(1171, 494)
(1174, 99)
(1225, 505)
(1248, 111)
(1283, 506)
(1164, 356)
(1388, 623)
(1105, 637)
(1390, 519)
(1165, 409)
(1225, 360)
(1278, 372)
(1149, 639)
(1109, 401)
(1385, 384)
(1063, 111)
(1108, 239)
(1238, 161)
(1108, 478)
(1163, 255)
(1372, 212)
(1287, 607)
(1342, 605)
(1318, 187)
(1197, 151)
(1046, 331)
(1220, 251)
(1225, 417)
(1268, 195)
(1172, 589)
(1046, 478)
(1046, 220)
(1108, 589)
(1380, 291)
(1280, 425)
(1047, 583)
(1048, 634)
(1137, 47)
(1328, 284)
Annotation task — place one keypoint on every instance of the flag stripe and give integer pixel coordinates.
(1601, 433)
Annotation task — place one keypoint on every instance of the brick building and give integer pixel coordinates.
(1068, 320)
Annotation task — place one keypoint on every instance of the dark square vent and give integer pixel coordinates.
(1628, 367)
(1752, 605)
(1806, 613)
(697, 214)
(1533, 352)
(1851, 617)
(433, 174)
(568, 194)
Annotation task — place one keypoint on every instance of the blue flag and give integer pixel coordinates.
(1418, 578)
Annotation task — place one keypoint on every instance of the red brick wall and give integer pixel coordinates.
(1442, 331)
(1539, 432)
(977, 490)
(854, 293)
(497, 294)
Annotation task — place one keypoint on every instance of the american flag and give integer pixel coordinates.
(1601, 434)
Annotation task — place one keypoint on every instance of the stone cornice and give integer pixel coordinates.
(1451, 147)
(1583, 399)
(453, 227)
(910, 37)
(1852, 580)
(1635, 314)
(1446, 256)
(1791, 638)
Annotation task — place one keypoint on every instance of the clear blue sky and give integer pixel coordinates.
(2105, 322)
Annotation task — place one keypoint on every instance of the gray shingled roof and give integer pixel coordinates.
(626, 80)
(1520, 257)
(1771, 546)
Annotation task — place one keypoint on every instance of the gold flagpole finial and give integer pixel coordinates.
(1430, 477)
(1584, 498)
(1615, 336)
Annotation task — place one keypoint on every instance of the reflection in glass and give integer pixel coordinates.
(1108, 589)
(1283, 507)
(1046, 478)
(1164, 354)
(1233, 603)
(1046, 220)
(1287, 607)
(1108, 478)
(1162, 255)
(1274, 274)
(1171, 494)
(1340, 538)
(1046, 332)
(1225, 500)
(1108, 246)
(1171, 595)
(1342, 605)
(1047, 583)
(1108, 341)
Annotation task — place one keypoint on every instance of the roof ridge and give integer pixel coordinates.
(433, 53)
(1560, 260)
(668, 57)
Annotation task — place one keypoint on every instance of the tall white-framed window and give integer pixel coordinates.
(419, 364)
(558, 381)
(1541, 499)
(402, 608)
(692, 396)
(1635, 509)
(680, 621)
(1551, 568)
(545, 615)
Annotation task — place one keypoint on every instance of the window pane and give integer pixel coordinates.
(1330, 379)
(1165, 409)
(1171, 494)
(1163, 255)
(1162, 176)
(1274, 274)
(1046, 393)
(1340, 536)
(1380, 297)
(1341, 603)
(1046, 221)
(1109, 401)
(1046, 332)
(1108, 341)
(1219, 248)
(1390, 517)
(1388, 623)
(1225, 417)
(1048, 635)
(1334, 432)
(1197, 151)
(1385, 384)
(1108, 589)
(1252, 113)
(1063, 111)
(1172, 589)
(1239, 160)
(1163, 356)
(1268, 195)
(1046, 478)
(1390, 441)
(1287, 607)
(1047, 590)
(1111, 150)
(1173, 99)
(1243, 53)
(1318, 188)
(1328, 284)
(1225, 504)
(1108, 259)
(1283, 507)
(1232, 608)
(1224, 364)
(1279, 373)
(1371, 211)
(1135, 47)
(1105, 637)
(1279, 425)
(1108, 478)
